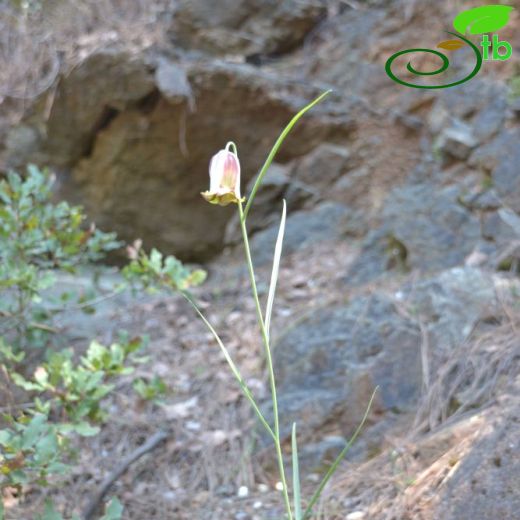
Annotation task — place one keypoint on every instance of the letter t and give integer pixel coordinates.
(485, 46)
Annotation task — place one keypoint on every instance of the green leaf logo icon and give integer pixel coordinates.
(488, 18)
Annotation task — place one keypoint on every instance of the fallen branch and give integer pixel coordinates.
(148, 446)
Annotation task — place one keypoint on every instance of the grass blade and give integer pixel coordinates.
(245, 389)
(296, 476)
(276, 268)
(276, 147)
(339, 458)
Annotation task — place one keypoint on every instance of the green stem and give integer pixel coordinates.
(233, 367)
(269, 360)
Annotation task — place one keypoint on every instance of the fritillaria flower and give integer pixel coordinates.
(224, 177)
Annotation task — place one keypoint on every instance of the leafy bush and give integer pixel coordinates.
(63, 395)
(37, 238)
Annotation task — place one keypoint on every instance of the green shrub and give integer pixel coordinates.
(63, 396)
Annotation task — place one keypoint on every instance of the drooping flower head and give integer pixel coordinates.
(224, 177)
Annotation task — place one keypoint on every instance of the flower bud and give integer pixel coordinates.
(224, 178)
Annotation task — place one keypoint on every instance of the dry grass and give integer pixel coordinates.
(405, 481)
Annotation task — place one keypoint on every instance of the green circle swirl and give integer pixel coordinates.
(442, 68)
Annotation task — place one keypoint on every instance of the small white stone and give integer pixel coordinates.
(356, 515)
(243, 492)
(192, 425)
(263, 488)
(279, 486)
(257, 505)
(399, 295)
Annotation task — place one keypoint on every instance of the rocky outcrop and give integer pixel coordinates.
(485, 484)
(247, 28)
(328, 363)
(425, 227)
(132, 135)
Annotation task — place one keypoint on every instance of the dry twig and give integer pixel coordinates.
(148, 446)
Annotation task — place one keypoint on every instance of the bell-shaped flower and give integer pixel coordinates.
(224, 178)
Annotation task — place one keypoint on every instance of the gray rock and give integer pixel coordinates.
(514, 106)
(328, 221)
(499, 159)
(300, 195)
(486, 200)
(476, 109)
(381, 253)
(314, 456)
(471, 98)
(244, 27)
(425, 225)
(457, 142)
(328, 365)
(490, 119)
(487, 481)
(451, 303)
(506, 176)
(323, 166)
(172, 82)
(353, 187)
(23, 141)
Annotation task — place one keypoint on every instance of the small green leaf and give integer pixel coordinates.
(19, 380)
(113, 511)
(46, 448)
(50, 513)
(487, 18)
(5, 437)
(37, 427)
(85, 430)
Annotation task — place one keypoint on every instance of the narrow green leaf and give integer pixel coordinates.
(296, 476)
(276, 147)
(487, 18)
(85, 429)
(245, 389)
(274, 274)
(334, 466)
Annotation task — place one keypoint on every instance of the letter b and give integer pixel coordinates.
(497, 45)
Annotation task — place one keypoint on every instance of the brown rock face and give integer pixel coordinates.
(132, 136)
